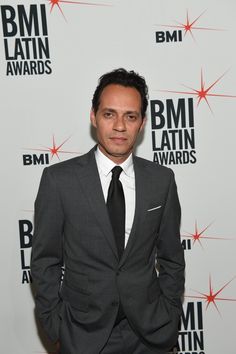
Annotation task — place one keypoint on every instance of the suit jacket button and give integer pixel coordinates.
(115, 303)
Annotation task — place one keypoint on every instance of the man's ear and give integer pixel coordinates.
(143, 124)
(93, 118)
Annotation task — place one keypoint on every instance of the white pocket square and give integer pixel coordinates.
(158, 207)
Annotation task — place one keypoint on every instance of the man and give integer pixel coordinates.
(109, 227)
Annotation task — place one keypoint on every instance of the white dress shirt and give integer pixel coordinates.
(127, 178)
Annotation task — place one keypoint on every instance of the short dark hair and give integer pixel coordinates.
(124, 78)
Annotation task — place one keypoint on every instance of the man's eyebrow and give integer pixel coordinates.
(109, 109)
(126, 112)
(132, 112)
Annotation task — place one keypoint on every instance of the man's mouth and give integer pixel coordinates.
(118, 139)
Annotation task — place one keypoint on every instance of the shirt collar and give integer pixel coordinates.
(105, 165)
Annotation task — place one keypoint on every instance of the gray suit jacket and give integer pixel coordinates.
(72, 228)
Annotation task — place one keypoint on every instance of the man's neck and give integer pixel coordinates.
(118, 160)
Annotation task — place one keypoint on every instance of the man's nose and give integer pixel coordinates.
(119, 123)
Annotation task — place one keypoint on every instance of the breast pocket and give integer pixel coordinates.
(153, 217)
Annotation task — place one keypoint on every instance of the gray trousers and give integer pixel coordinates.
(123, 340)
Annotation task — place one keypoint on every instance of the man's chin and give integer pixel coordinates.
(119, 154)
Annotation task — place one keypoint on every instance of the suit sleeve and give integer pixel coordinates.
(47, 255)
(170, 253)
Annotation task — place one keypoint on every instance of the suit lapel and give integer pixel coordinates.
(141, 204)
(88, 177)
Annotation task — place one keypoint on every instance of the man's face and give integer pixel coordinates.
(118, 121)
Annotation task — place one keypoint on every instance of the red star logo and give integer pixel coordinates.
(198, 235)
(188, 26)
(203, 92)
(55, 149)
(58, 3)
(212, 297)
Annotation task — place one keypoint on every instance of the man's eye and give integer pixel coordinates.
(131, 117)
(108, 114)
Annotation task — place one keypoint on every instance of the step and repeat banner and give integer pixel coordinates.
(51, 55)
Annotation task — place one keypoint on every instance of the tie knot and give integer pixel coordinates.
(116, 171)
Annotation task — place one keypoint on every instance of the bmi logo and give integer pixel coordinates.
(25, 234)
(26, 42)
(45, 154)
(180, 30)
(191, 331)
(172, 122)
(173, 135)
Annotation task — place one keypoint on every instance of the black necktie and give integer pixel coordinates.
(116, 209)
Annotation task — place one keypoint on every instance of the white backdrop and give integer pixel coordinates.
(186, 52)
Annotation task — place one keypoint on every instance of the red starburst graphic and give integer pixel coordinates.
(198, 235)
(58, 3)
(203, 92)
(212, 297)
(189, 26)
(55, 149)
